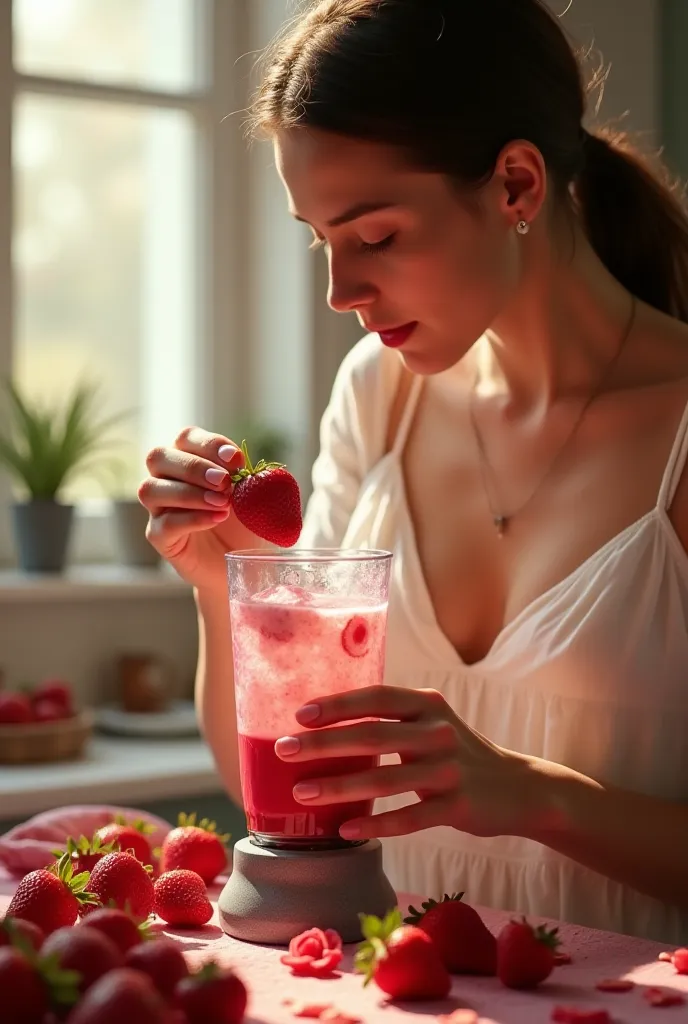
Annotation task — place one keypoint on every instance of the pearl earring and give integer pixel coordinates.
(523, 227)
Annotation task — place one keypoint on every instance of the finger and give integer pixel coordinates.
(160, 495)
(214, 448)
(436, 810)
(166, 530)
(369, 738)
(436, 776)
(172, 464)
(392, 702)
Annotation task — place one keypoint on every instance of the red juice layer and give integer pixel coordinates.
(267, 784)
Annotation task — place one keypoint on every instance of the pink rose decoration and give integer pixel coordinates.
(314, 953)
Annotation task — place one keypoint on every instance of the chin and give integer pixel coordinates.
(428, 363)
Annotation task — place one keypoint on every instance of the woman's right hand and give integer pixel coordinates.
(188, 497)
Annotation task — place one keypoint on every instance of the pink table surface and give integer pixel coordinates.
(595, 955)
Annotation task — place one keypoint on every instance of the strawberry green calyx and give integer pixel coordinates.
(549, 938)
(248, 469)
(62, 985)
(417, 915)
(205, 824)
(208, 972)
(76, 884)
(375, 931)
(83, 846)
(144, 827)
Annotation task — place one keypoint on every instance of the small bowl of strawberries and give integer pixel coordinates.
(42, 724)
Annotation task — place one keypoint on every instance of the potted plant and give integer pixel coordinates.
(129, 519)
(43, 448)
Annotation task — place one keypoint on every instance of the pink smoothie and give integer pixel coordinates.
(292, 646)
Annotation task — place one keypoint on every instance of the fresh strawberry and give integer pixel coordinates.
(356, 637)
(212, 996)
(24, 995)
(85, 853)
(58, 691)
(117, 926)
(15, 709)
(465, 944)
(14, 931)
(181, 899)
(195, 847)
(120, 880)
(525, 955)
(84, 950)
(401, 959)
(162, 960)
(267, 501)
(679, 959)
(123, 996)
(129, 837)
(52, 897)
(48, 711)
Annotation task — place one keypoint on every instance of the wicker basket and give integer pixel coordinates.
(62, 740)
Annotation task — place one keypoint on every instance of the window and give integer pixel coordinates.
(120, 185)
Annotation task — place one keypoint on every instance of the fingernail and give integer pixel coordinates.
(228, 452)
(215, 499)
(216, 476)
(308, 713)
(287, 745)
(349, 831)
(306, 790)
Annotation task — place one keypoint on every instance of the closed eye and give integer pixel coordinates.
(376, 247)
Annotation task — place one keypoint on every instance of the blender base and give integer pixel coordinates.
(273, 895)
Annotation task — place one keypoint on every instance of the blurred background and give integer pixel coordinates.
(145, 249)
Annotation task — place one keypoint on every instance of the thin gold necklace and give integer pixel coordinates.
(501, 520)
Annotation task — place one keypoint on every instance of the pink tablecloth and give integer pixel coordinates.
(595, 955)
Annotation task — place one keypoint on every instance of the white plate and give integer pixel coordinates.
(178, 720)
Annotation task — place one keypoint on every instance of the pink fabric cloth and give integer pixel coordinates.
(30, 845)
(595, 955)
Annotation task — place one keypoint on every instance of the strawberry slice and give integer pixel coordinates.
(680, 960)
(615, 985)
(663, 997)
(356, 637)
(579, 1015)
(560, 959)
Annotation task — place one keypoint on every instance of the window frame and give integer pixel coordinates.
(222, 35)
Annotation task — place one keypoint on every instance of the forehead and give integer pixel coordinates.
(321, 170)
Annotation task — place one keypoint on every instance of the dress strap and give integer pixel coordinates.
(675, 465)
(407, 415)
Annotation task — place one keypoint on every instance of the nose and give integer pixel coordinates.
(348, 289)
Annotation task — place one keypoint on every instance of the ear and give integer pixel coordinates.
(522, 176)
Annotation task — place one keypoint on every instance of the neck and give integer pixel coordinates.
(564, 326)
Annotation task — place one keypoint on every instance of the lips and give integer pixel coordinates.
(394, 337)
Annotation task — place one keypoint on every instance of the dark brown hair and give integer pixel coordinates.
(451, 82)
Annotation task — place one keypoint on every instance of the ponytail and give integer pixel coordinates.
(636, 221)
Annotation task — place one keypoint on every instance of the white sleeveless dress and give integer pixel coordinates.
(593, 674)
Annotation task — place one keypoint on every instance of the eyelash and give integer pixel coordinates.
(370, 248)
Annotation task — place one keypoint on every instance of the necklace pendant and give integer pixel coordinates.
(500, 523)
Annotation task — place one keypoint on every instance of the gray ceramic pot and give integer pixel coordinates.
(42, 530)
(130, 519)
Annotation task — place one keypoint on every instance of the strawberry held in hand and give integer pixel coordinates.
(267, 501)
(525, 955)
(464, 943)
(194, 847)
(401, 959)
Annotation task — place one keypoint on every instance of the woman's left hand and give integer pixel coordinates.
(460, 778)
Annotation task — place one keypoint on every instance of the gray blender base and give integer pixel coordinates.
(273, 895)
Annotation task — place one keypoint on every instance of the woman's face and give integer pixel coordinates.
(403, 246)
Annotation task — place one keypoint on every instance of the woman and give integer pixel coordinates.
(515, 428)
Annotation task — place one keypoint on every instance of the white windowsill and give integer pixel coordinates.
(114, 770)
(91, 582)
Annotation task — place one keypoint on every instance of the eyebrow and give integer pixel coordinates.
(353, 213)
